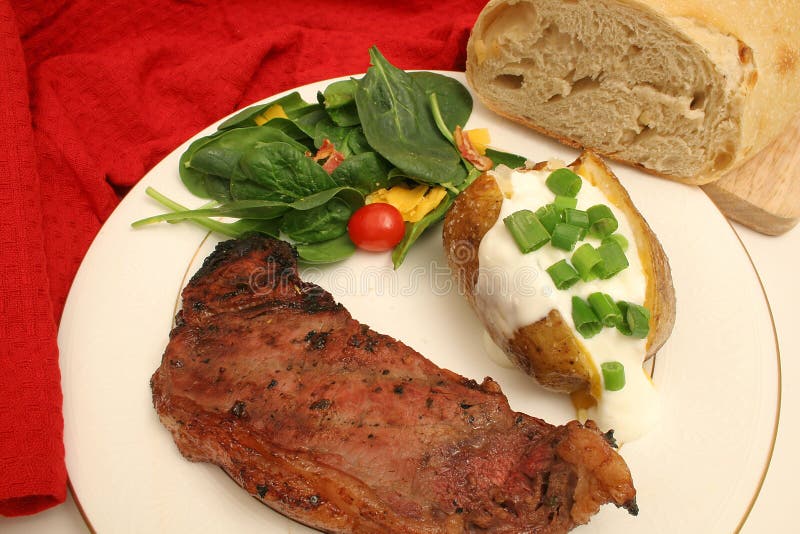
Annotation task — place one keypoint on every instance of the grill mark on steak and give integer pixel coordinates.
(348, 430)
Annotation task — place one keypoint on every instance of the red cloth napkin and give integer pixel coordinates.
(92, 95)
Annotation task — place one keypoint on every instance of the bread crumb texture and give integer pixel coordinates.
(668, 93)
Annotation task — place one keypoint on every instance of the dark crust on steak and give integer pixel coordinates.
(348, 430)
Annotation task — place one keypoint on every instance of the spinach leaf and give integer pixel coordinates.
(220, 155)
(330, 251)
(338, 135)
(414, 230)
(261, 209)
(351, 195)
(357, 141)
(339, 94)
(291, 104)
(345, 116)
(193, 179)
(218, 188)
(322, 223)
(455, 102)
(398, 124)
(278, 171)
(270, 227)
(505, 158)
(339, 101)
(307, 122)
(366, 172)
(228, 229)
(291, 129)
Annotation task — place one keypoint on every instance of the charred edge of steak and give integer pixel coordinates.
(631, 507)
(273, 281)
(610, 439)
(230, 251)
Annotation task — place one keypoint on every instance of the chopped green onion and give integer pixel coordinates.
(561, 203)
(586, 321)
(584, 260)
(549, 216)
(565, 236)
(621, 240)
(636, 320)
(526, 230)
(564, 182)
(563, 274)
(602, 221)
(623, 325)
(613, 375)
(605, 308)
(613, 260)
(577, 218)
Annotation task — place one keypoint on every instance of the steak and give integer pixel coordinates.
(348, 430)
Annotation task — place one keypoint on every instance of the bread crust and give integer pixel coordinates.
(766, 70)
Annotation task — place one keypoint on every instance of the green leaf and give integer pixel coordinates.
(314, 225)
(345, 116)
(278, 171)
(398, 124)
(193, 179)
(349, 194)
(218, 188)
(210, 224)
(339, 94)
(455, 102)
(505, 158)
(307, 122)
(270, 227)
(291, 129)
(357, 141)
(220, 155)
(444, 129)
(339, 101)
(414, 230)
(261, 209)
(291, 104)
(338, 135)
(330, 251)
(366, 172)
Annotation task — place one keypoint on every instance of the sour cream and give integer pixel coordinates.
(514, 290)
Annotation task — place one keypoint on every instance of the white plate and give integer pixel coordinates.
(699, 471)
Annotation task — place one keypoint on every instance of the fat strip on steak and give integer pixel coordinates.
(348, 430)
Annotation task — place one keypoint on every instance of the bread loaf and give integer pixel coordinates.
(686, 89)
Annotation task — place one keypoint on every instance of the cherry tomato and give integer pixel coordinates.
(376, 227)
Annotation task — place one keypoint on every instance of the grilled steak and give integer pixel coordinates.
(348, 430)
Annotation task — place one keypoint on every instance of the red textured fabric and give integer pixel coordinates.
(92, 95)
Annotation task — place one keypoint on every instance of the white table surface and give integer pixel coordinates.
(776, 260)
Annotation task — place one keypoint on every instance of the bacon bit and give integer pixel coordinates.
(334, 161)
(482, 163)
(333, 158)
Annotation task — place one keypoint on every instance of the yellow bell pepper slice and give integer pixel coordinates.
(413, 203)
(272, 112)
(479, 138)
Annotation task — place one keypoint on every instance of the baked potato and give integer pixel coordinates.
(549, 349)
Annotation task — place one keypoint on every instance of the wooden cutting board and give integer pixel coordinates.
(764, 193)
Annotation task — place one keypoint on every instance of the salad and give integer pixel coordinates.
(373, 163)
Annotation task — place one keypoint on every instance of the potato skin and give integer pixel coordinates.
(548, 350)
(660, 294)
